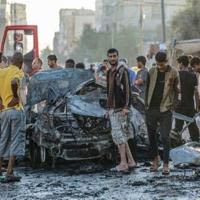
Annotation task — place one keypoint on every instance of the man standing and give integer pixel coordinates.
(141, 76)
(70, 63)
(161, 96)
(119, 97)
(36, 66)
(12, 140)
(3, 61)
(188, 82)
(52, 62)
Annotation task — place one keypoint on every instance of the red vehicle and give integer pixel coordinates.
(21, 38)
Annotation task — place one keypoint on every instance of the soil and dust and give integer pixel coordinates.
(93, 180)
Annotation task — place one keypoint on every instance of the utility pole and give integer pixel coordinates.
(163, 20)
(141, 25)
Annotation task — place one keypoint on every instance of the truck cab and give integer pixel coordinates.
(21, 38)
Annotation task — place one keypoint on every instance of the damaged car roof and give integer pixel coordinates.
(51, 84)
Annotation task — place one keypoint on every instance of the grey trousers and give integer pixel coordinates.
(12, 134)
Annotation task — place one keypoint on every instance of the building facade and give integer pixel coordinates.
(140, 14)
(72, 23)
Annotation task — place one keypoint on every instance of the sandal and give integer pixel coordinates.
(10, 178)
(115, 169)
(154, 167)
(3, 169)
(166, 172)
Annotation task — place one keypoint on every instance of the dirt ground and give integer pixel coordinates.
(95, 181)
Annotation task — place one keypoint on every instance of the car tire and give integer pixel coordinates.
(35, 156)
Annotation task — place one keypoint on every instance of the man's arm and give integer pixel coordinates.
(196, 93)
(146, 91)
(1, 104)
(140, 81)
(177, 90)
(14, 86)
(126, 85)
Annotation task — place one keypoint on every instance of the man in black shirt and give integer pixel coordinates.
(186, 106)
(161, 94)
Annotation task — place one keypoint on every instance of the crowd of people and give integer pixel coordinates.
(164, 89)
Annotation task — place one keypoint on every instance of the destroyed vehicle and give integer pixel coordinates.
(71, 124)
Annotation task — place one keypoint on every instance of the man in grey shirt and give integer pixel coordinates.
(141, 76)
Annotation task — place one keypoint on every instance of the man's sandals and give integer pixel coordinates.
(117, 170)
(155, 165)
(9, 178)
(165, 171)
(154, 168)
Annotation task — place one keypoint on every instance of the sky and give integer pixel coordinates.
(45, 14)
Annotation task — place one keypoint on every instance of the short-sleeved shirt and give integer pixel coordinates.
(6, 76)
(188, 83)
(142, 74)
(132, 75)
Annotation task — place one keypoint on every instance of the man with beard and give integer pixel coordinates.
(160, 98)
(119, 101)
(69, 63)
(52, 62)
(140, 80)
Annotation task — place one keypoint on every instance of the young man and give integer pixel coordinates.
(70, 63)
(161, 96)
(12, 140)
(80, 66)
(186, 107)
(119, 96)
(3, 62)
(52, 62)
(36, 66)
(141, 76)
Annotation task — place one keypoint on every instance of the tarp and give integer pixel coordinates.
(188, 153)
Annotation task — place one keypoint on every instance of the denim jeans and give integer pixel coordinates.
(156, 119)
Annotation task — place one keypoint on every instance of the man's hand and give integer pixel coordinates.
(125, 111)
(14, 102)
(1, 106)
(176, 104)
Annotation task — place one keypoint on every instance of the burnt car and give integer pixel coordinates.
(69, 120)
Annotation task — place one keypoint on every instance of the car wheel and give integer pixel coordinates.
(35, 156)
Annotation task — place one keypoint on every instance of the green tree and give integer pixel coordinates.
(127, 42)
(44, 54)
(92, 46)
(186, 24)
